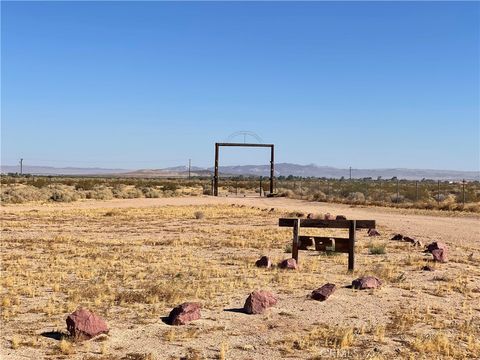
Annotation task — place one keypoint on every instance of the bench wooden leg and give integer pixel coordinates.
(351, 249)
(295, 241)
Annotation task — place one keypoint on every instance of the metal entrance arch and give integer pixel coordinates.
(217, 150)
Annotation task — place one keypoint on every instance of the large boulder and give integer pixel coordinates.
(323, 292)
(366, 282)
(264, 261)
(83, 324)
(288, 264)
(184, 313)
(259, 301)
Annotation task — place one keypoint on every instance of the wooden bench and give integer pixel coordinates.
(333, 244)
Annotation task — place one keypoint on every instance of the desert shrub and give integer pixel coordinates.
(99, 192)
(207, 190)
(14, 194)
(356, 197)
(397, 198)
(126, 192)
(199, 215)
(150, 192)
(286, 193)
(319, 196)
(63, 193)
(288, 248)
(170, 187)
(377, 249)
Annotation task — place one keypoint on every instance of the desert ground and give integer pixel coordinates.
(131, 261)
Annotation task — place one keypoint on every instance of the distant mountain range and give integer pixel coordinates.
(284, 169)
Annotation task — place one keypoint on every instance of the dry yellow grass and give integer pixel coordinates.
(132, 265)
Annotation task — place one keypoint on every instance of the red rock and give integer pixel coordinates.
(83, 324)
(397, 237)
(259, 301)
(264, 261)
(440, 255)
(329, 216)
(373, 232)
(366, 282)
(438, 250)
(288, 264)
(341, 217)
(322, 293)
(184, 313)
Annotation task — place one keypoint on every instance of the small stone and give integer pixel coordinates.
(366, 282)
(288, 264)
(341, 217)
(83, 324)
(397, 237)
(322, 293)
(264, 261)
(184, 313)
(428, 268)
(373, 232)
(259, 301)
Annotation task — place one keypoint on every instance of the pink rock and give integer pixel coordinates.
(264, 261)
(288, 264)
(438, 250)
(322, 293)
(83, 324)
(329, 216)
(341, 217)
(366, 282)
(259, 301)
(373, 232)
(184, 313)
(440, 255)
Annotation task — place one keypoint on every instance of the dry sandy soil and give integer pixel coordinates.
(131, 261)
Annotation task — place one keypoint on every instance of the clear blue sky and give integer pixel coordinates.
(151, 84)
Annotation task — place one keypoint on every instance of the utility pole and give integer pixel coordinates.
(21, 166)
(438, 191)
(189, 168)
(463, 191)
(350, 173)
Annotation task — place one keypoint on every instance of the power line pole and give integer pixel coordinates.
(21, 166)
(350, 173)
(189, 168)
